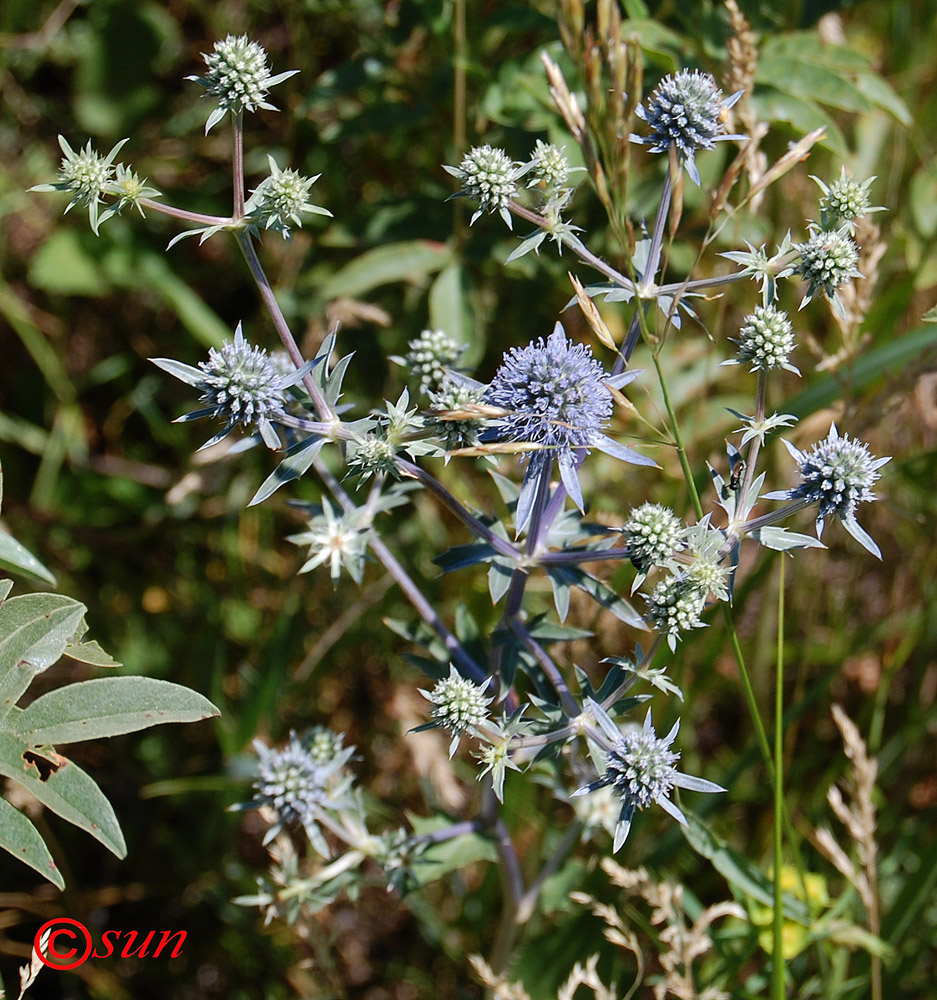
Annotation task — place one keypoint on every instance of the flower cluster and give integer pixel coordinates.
(675, 606)
(838, 474)
(549, 166)
(340, 541)
(239, 384)
(489, 176)
(280, 200)
(827, 260)
(238, 78)
(687, 113)
(429, 356)
(653, 534)
(765, 339)
(640, 769)
(86, 175)
(555, 397)
(298, 786)
(459, 706)
(844, 201)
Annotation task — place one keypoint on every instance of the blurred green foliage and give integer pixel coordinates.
(183, 582)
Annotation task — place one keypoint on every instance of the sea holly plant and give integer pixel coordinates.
(508, 696)
(37, 630)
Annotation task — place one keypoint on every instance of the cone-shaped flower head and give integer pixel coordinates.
(827, 260)
(686, 111)
(238, 77)
(555, 397)
(844, 201)
(296, 784)
(240, 384)
(280, 200)
(87, 176)
(653, 533)
(550, 166)
(838, 474)
(765, 339)
(459, 705)
(489, 176)
(641, 770)
(430, 355)
(675, 606)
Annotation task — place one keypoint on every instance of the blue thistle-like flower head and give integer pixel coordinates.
(686, 112)
(556, 399)
(459, 705)
(238, 77)
(675, 606)
(653, 533)
(765, 339)
(241, 385)
(296, 783)
(838, 474)
(641, 770)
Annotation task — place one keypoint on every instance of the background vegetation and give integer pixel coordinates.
(183, 583)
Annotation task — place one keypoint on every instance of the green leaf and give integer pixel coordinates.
(799, 76)
(600, 593)
(737, 870)
(62, 266)
(90, 652)
(66, 789)
(205, 325)
(15, 557)
(34, 631)
(297, 461)
(109, 706)
(23, 841)
(449, 310)
(924, 199)
(776, 106)
(409, 261)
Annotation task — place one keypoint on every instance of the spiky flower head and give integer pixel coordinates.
(686, 112)
(456, 403)
(653, 534)
(489, 176)
(373, 454)
(322, 744)
(675, 606)
(641, 769)
(555, 397)
(239, 384)
(339, 540)
(827, 260)
(297, 786)
(430, 355)
(129, 189)
(459, 705)
(549, 166)
(844, 201)
(280, 200)
(838, 474)
(765, 340)
(86, 175)
(238, 77)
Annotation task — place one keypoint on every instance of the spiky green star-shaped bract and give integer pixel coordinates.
(239, 384)
(640, 770)
(555, 396)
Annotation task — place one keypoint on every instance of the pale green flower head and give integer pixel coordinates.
(238, 78)
(280, 200)
(87, 176)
